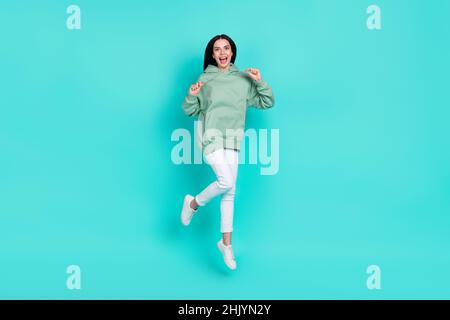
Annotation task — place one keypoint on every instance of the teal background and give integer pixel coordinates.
(86, 176)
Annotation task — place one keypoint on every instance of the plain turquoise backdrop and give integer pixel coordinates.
(86, 177)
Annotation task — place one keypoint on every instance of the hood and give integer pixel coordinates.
(214, 69)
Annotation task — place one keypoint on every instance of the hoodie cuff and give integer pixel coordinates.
(261, 83)
(191, 98)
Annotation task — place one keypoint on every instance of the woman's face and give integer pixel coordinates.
(222, 53)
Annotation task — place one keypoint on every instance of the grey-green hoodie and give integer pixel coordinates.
(221, 105)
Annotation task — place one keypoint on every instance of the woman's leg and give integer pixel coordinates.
(227, 201)
(224, 181)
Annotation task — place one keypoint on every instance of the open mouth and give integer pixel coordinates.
(223, 60)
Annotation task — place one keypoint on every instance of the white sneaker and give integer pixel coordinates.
(228, 256)
(187, 212)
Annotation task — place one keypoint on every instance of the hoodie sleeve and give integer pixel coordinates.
(191, 105)
(260, 95)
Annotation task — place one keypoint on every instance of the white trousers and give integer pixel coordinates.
(224, 163)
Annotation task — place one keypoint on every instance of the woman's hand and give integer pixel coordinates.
(254, 73)
(195, 88)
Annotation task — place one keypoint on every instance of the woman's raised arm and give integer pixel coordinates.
(260, 94)
(191, 103)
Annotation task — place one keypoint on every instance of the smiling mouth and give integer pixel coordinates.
(223, 60)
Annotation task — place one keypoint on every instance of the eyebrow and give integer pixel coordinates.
(223, 46)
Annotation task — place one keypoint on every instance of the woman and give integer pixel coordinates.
(220, 98)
